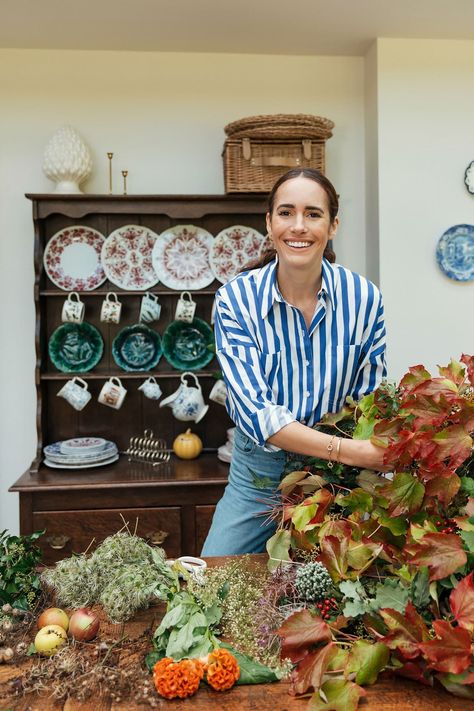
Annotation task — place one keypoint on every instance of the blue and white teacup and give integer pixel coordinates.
(151, 389)
(76, 393)
(150, 308)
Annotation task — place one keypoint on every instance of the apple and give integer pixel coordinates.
(49, 639)
(53, 616)
(84, 624)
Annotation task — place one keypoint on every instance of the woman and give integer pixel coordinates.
(294, 337)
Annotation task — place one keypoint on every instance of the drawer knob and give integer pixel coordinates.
(58, 542)
(157, 537)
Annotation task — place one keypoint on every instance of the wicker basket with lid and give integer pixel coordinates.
(259, 149)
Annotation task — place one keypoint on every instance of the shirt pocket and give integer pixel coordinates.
(343, 374)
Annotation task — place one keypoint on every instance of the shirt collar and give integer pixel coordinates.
(268, 291)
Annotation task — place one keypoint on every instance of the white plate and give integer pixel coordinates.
(54, 465)
(72, 259)
(82, 445)
(233, 249)
(181, 257)
(127, 258)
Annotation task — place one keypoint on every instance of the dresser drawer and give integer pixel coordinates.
(70, 532)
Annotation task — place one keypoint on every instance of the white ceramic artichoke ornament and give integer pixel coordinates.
(67, 160)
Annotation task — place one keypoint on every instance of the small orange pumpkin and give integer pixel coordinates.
(187, 445)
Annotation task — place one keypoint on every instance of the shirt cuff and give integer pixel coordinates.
(268, 422)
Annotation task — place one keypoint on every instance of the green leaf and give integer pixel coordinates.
(468, 538)
(213, 614)
(391, 593)
(357, 500)
(467, 485)
(174, 617)
(458, 684)
(339, 695)
(367, 660)
(151, 659)
(397, 525)
(356, 602)
(182, 639)
(251, 672)
(420, 588)
(404, 493)
(261, 482)
(364, 428)
(278, 547)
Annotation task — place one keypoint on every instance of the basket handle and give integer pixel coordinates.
(276, 161)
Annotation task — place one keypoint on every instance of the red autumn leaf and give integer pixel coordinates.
(337, 527)
(461, 601)
(453, 443)
(416, 671)
(416, 375)
(468, 361)
(334, 556)
(466, 416)
(451, 652)
(300, 632)
(406, 631)
(441, 552)
(454, 371)
(444, 489)
(311, 669)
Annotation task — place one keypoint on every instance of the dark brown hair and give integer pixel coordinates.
(333, 206)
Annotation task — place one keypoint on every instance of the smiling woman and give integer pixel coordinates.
(295, 335)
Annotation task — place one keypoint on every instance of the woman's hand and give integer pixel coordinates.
(362, 453)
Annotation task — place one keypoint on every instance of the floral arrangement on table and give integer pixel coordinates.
(366, 573)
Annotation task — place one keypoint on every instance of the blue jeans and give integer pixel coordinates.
(253, 478)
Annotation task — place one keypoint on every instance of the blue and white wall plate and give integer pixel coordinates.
(455, 252)
(469, 177)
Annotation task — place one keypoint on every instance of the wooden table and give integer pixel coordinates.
(388, 694)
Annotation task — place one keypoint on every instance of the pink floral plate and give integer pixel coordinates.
(181, 257)
(72, 259)
(127, 258)
(233, 249)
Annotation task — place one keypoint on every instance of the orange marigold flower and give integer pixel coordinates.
(174, 679)
(222, 669)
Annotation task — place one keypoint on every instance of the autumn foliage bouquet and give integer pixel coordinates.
(398, 548)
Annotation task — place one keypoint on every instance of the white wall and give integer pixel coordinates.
(163, 116)
(425, 142)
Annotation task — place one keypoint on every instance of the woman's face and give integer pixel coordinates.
(300, 224)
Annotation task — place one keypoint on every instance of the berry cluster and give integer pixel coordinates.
(327, 607)
(313, 582)
(449, 525)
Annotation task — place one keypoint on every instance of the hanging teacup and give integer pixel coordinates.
(187, 403)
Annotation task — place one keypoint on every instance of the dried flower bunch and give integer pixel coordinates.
(182, 679)
(123, 574)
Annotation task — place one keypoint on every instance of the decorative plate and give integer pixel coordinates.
(127, 258)
(188, 346)
(72, 259)
(90, 465)
(469, 177)
(137, 348)
(83, 446)
(53, 453)
(181, 257)
(455, 252)
(232, 249)
(75, 347)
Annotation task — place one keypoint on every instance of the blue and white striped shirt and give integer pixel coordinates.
(276, 370)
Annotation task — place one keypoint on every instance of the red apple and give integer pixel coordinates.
(53, 616)
(84, 624)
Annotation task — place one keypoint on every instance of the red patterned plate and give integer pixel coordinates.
(181, 257)
(233, 249)
(126, 256)
(72, 259)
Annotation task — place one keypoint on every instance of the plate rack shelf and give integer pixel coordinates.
(173, 503)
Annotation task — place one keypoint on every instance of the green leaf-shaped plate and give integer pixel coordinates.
(137, 348)
(188, 346)
(75, 347)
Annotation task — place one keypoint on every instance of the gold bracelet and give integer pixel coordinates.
(338, 450)
(330, 449)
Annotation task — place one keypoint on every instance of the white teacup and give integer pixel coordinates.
(73, 308)
(111, 308)
(76, 393)
(150, 308)
(185, 308)
(187, 403)
(219, 392)
(112, 393)
(151, 389)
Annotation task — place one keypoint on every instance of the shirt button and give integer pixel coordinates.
(307, 393)
(306, 362)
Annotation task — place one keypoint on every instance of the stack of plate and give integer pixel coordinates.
(224, 453)
(80, 453)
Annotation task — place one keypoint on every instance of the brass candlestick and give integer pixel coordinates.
(110, 156)
(124, 173)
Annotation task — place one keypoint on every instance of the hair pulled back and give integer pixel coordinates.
(333, 206)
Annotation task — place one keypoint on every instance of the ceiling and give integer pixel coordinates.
(298, 27)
